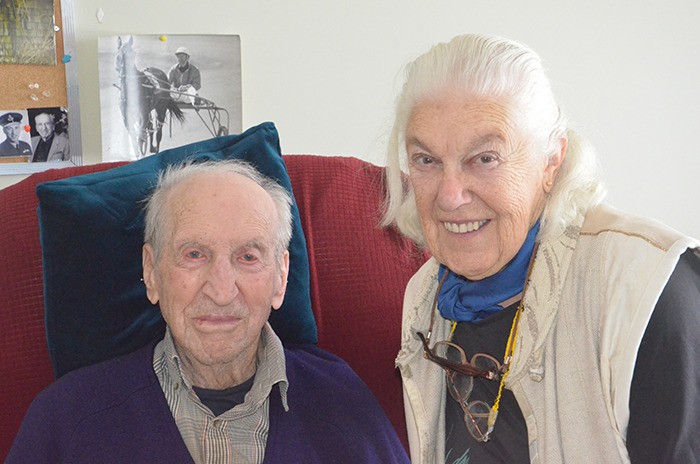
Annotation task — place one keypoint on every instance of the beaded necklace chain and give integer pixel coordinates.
(510, 347)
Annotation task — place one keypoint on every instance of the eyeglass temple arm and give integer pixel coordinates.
(457, 367)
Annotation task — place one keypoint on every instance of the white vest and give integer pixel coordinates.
(591, 294)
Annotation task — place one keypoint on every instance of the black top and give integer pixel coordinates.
(664, 408)
(508, 442)
(41, 152)
(220, 401)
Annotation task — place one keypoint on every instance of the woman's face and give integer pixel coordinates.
(479, 183)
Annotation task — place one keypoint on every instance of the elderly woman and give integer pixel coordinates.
(546, 327)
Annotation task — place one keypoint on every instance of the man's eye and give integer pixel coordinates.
(194, 254)
(249, 258)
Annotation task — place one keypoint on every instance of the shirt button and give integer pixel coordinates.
(217, 424)
(537, 374)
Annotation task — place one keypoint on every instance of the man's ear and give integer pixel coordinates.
(278, 296)
(553, 165)
(148, 259)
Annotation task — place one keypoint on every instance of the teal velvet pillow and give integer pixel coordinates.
(91, 231)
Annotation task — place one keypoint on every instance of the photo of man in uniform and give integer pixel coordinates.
(12, 146)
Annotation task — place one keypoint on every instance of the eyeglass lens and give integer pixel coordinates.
(460, 386)
(476, 416)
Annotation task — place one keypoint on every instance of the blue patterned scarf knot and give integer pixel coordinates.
(465, 300)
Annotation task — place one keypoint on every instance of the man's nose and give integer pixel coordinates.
(221, 285)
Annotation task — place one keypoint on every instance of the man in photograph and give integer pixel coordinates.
(184, 77)
(12, 146)
(48, 145)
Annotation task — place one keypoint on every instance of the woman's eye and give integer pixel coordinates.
(486, 158)
(422, 160)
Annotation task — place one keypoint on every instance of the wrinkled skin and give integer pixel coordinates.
(217, 277)
(479, 182)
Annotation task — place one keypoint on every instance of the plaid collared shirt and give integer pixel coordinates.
(240, 434)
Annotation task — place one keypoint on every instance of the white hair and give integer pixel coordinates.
(52, 117)
(158, 202)
(492, 67)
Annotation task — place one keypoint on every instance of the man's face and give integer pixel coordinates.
(44, 125)
(12, 131)
(182, 59)
(217, 277)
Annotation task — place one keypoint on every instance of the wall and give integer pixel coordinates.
(326, 73)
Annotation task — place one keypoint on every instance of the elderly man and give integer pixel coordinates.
(219, 387)
(12, 145)
(48, 145)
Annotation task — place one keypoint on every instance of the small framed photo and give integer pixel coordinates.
(35, 135)
(49, 134)
(15, 141)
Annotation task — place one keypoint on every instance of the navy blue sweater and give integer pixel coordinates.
(115, 411)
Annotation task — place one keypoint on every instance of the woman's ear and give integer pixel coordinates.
(553, 164)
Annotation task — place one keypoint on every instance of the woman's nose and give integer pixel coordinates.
(454, 190)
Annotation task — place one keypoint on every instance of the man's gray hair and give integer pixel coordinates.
(158, 204)
(492, 67)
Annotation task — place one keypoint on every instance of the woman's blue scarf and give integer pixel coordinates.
(465, 300)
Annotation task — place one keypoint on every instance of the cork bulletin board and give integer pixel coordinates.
(31, 89)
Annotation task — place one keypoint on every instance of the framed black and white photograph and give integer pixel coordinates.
(34, 135)
(15, 139)
(49, 134)
(164, 91)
